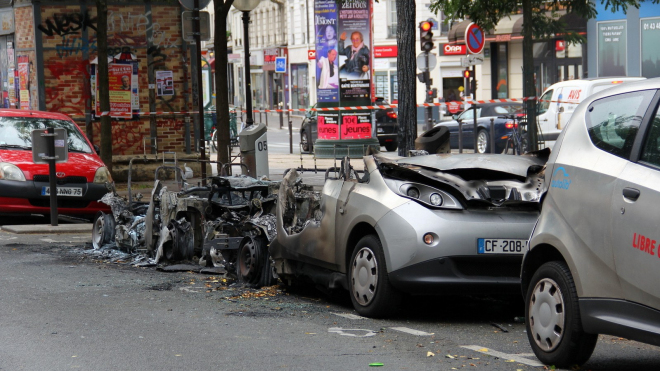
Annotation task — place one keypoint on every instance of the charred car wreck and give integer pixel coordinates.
(421, 225)
(230, 223)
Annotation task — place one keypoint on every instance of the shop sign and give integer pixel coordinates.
(311, 55)
(503, 38)
(560, 45)
(386, 51)
(449, 49)
(269, 58)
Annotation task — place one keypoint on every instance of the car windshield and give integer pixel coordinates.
(16, 132)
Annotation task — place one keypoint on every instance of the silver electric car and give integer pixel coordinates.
(593, 263)
(421, 225)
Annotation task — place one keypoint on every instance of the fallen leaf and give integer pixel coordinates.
(310, 333)
(430, 354)
(483, 350)
(449, 356)
(473, 365)
(509, 360)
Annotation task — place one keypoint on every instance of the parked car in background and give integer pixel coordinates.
(387, 128)
(484, 112)
(558, 101)
(24, 185)
(418, 225)
(592, 266)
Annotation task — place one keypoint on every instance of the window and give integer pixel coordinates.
(500, 68)
(651, 153)
(544, 104)
(391, 19)
(613, 122)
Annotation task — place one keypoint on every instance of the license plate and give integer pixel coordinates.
(501, 246)
(63, 191)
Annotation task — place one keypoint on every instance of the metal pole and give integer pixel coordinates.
(474, 128)
(460, 136)
(200, 92)
(248, 85)
(51, 176)
(492, 135)
(429, 110)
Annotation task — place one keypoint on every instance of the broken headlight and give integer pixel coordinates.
(102, 175)
(424, 194)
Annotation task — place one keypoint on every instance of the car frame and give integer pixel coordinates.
(381, 234)
(23, 182)
(587, 270)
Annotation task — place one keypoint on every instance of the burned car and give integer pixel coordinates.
(421, 225)
(228, 223)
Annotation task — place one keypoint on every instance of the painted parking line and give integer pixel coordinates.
(348, 315)
(352, 332)
(411, 331)
(505, 356)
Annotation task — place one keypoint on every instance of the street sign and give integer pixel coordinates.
(204, 26)
(280, 64)
(40, 146)
(421, 61)
(190, 4)
(474, 39)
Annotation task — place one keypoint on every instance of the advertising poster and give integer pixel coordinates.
(327, 61)
(164, 83)
(650, 30)
(11, 88)
(23, 78)
(123, 89)
(612, 48)
(328, 126)
(355, 52)
(356, 126)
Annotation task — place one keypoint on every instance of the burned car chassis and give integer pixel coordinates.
(230, 223)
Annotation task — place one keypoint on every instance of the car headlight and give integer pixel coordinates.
(436, 199)
(424, 194)
(102, 175)
(11, 172)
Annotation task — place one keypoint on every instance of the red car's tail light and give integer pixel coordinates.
(391, 115)
(511, 125)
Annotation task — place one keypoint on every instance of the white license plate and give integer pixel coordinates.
(501, 246)
(63, 191)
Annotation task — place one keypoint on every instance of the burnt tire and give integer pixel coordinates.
(103, 230)
(552, 316)
(372, 294)
(253, 264)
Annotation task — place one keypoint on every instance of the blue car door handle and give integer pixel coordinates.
(631, 193)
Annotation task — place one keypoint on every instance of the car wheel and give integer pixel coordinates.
(483, 145)
(253, 265)
(552, 314)
(390, 147)
(306, 141)
(103, 230)
(371, 292)
(214, 141)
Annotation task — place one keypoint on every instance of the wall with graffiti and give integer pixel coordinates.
(148, 33)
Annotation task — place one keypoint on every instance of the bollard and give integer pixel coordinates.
(492, 135)
(266, 119)
(281, 119)
(460, 136)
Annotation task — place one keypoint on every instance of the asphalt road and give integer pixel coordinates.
(65, 307)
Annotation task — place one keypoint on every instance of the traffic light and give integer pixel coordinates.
(467, 74)
(426, 35)
(431, 94)
(473, 86)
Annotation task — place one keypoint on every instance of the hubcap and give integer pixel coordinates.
(364, 277)
(97, 232)
(304, 141)
(546, 314)
(482, 142)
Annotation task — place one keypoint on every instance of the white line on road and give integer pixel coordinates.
(411, 331)
(361, 333)
(505, 356)
(348, 315)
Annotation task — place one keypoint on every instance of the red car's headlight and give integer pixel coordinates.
(102, 175)
(11, 172)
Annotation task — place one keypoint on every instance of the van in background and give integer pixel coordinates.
(558, 102)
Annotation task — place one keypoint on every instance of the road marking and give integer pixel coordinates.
(411, 331)
(49, 240)
(346, 332)
(7, 238)
(504, 356)
(348, 315)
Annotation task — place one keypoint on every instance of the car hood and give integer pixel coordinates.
(78, 164)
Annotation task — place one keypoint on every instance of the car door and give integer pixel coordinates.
(636, 214)
(467, 118)
(547, 115)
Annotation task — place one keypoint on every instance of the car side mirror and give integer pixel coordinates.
(97, 149)
(561, 109)
(455, 117)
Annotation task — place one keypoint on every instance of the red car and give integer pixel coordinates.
(24, 185)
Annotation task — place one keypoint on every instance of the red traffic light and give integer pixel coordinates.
(426, 25)
(467, 74)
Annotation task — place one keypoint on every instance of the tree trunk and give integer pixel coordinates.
(222, 93)
(406, 67)
(102, 80)
(529, 87)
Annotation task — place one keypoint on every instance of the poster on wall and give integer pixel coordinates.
(650, 30)
(23, 78)
(328, 126)
(327, 63)
(355, 51)
(356, 126)
(164, 83)
(122, 88)
(612, 48)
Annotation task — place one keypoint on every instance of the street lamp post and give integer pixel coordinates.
(246, 6)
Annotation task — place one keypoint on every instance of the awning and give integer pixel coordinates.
(508, 28)
(456, 33)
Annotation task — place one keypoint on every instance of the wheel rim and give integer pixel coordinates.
(248, 261)
(547, 314)
(303, 140)
(482, 142)
(364, 276)
(97, 232)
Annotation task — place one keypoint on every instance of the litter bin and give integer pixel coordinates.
(254, 150)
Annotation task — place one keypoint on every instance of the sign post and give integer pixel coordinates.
(54, 143)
